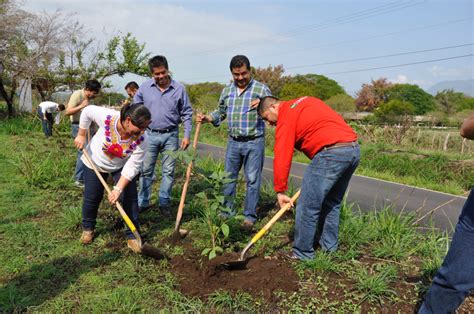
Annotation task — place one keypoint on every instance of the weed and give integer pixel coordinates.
(394, 235)
(432, 250)
(322, 262)
(223, 300)
(71, 218)
(374, 285)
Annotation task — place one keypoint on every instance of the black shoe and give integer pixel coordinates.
(143, 209)
(165, 211)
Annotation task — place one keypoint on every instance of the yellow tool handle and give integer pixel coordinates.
(275, 218)
(107, 188)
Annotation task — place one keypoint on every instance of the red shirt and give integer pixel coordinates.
(308, 125)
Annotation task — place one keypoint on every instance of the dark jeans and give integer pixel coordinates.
(317, 212)
(249, 154)
(93, 193)
(47, 124)
(455, 278)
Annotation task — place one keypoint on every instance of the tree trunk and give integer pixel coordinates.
(42, 93)
(7, 98)
(4, 93)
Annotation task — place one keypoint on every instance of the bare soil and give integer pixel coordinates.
(201, 277)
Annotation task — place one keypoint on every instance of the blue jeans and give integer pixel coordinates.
(47, 124)
(78, 173)
(251, 155)
(455, 278)
(158, 143)
(93, 193)
(317, 212)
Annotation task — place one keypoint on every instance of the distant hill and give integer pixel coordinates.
(464, 86)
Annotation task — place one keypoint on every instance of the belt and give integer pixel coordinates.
(170, 129)
(74, 122)
(342, 144)
(245, 138)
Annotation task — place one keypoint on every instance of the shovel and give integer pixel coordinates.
(242, 261)
(145, 248)
(178, 232)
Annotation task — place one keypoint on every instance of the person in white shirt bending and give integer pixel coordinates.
(45, 113)
(117, 149)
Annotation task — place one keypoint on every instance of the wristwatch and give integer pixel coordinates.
(116, 188)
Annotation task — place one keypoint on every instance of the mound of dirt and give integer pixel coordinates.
(261, 277)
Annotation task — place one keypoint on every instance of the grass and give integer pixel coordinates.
(44, 268)
(374, 285)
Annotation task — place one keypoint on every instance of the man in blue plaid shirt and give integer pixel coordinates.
(246, 143)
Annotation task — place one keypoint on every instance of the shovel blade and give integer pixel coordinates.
(179, 235)
(235, 265)
(153, 252)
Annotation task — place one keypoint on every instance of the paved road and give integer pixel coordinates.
(374, 194)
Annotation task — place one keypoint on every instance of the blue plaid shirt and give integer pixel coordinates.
(241, 120)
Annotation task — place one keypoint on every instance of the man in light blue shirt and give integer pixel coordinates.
(169, 105)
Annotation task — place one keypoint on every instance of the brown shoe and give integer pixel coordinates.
(87, 236)
(134, 245)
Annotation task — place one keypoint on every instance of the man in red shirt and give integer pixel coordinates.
(312, 127)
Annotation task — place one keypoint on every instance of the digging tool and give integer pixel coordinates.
(242, 261)
(145, 249)
(178, 232)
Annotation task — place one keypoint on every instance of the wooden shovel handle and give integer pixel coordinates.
(179, 214)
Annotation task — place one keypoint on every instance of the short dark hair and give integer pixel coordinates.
(93, 86)
(265, 103)
(132, 85)
(238, 61)
(138, 113)
(61, 107)
(158, 61)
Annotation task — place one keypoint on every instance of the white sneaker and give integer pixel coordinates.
(79, 184)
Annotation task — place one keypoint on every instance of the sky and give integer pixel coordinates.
(351, 42)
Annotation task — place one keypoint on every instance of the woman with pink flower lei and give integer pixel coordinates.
(118, 149)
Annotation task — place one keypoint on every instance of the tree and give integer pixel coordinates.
(109, 98)
(272, 76)
(295, 90)
(421, 100)
(396, 112)
(84, 59)
(467, 104)
(204, 96)
(341, 103)
(315, 85)
(393, 111)
(449, 101)
(12, 49)
(372, 95)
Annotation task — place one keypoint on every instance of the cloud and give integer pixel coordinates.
(451, 73)
(165, 28)
(403, 79)
(400, 79)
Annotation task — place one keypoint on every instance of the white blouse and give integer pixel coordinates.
(106, 149)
